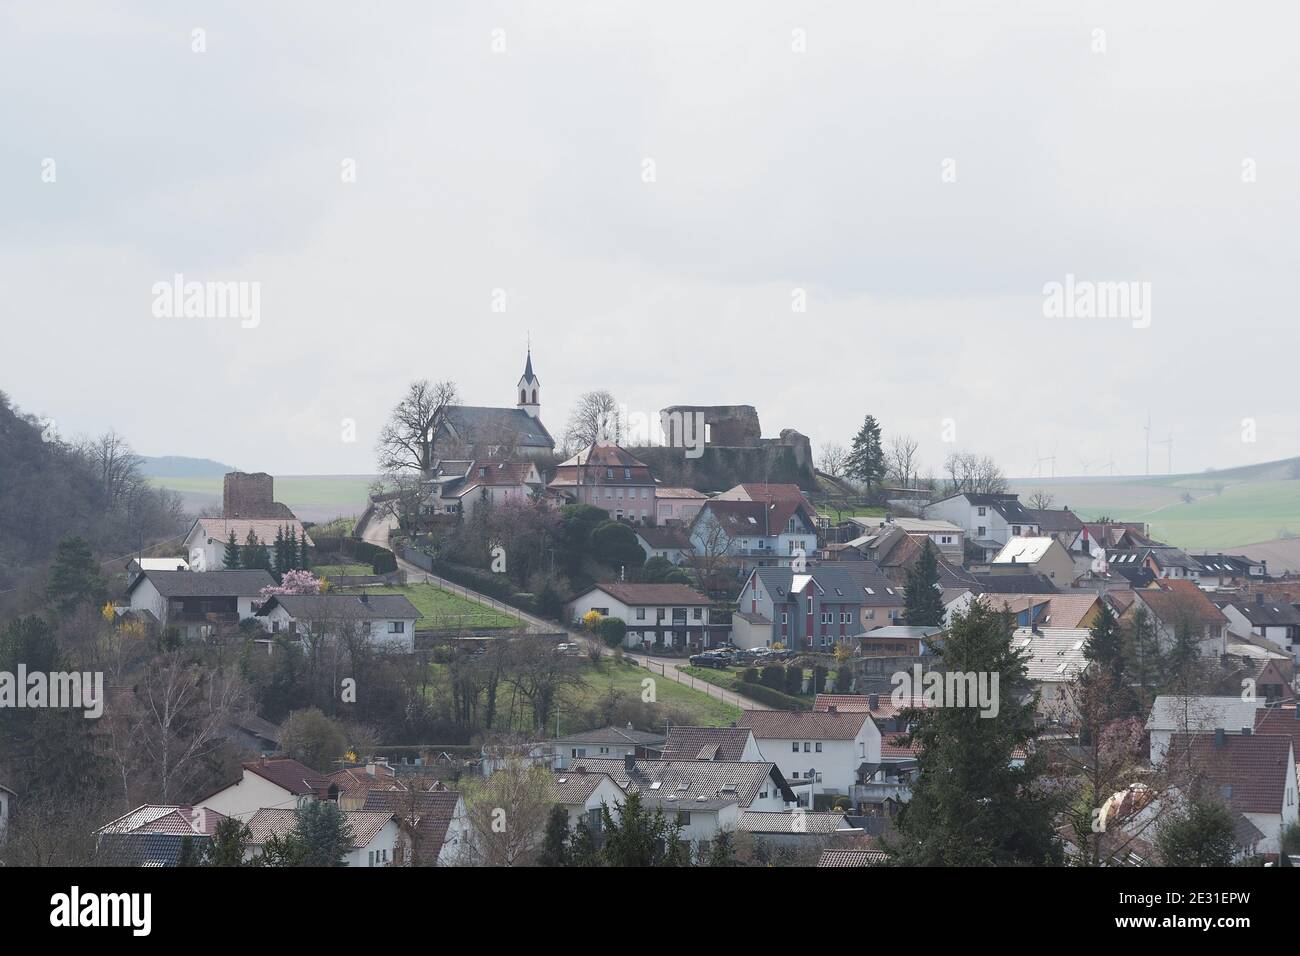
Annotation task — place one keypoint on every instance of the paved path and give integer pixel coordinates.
(376, 532)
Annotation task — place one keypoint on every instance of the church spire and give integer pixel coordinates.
(529, 388)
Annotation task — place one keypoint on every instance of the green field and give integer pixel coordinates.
(706, 711)
(444, 609)
(1226, 510)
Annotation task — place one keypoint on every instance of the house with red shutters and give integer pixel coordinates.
(815, 608)
(610, 478)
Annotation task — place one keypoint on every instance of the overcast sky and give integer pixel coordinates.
(774, 170)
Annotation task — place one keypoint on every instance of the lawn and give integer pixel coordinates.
(839, 513)
(444, 609)
(626, 678)
(731, 677)
(341, 570)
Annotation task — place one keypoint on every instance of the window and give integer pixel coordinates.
(579, 751)
(807, 746)
(640, 614)
(795, 774)
(783, 618)
(371, 858)
(982, 511)
(1015, 529)
(396, 627)
(659, 614)
(699, 613)
(627, 473)
(819, 746)
(981, 531)
(609, 473)
(684, 817)
(794, 746)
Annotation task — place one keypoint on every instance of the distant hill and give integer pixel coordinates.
(178, 466)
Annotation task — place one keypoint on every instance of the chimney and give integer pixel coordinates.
(873, 701)
(1219, 737)
(629, 762)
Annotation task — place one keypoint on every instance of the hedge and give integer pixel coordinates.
(773, 698)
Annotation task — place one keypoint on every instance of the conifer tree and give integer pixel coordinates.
(924, 600)
(231, 557)
(866, 461)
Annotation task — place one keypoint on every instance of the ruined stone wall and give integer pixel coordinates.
(246, 495)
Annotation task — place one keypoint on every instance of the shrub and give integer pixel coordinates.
(773, 677)
(750, 675)
(385, 562)
(794, 680)
(611, 630)
(773, 698)
(818, 679)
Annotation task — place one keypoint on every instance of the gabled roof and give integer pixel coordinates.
(360, 779)
(288, 774)
(1015, 583)
(1052, 521)
(665, 537)
(618, 736)
(1173, 712)
(343, 607)
(787, 823)
(861, 704)
(755, 519)
(575, 788)
(717, 779)
(665, 492)
(1272, 613)
(603, 455)
(762, 491)
(153, 818)
(1175, 600)
(478, 424)
(856, 582)
(842, 858)
(182, 584)
(279, 822)
(650, 594)
(1026, 550)
(1247, 771)
(706, 743)
(434, 811)
(1007, 505)
(1055, 653)
(217, 530)
(802, 724)
(149, 850)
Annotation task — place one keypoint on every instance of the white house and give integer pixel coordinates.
(280, 784)
(757, 785)
(196, 604)
(613, 742)
(583, 793)
(387, 620)
(461, 487)
(825, 749)
(434, 824)
(674, 615)
(1036, 555)
(1273, 619)
(775, 533)
(1173, 714)
(1178, 606)
(207, 538)
(669, 542)
(989, 520)
(948, 538)
(736, 744)
(374, 834)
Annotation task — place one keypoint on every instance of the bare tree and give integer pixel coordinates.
(406, 442)
(832, 457)
(901, 460)
(595, 417)
(1041, 501)
(712, 552)
(973, 474)
(183, 711)
(539, 673)
(507, 814)
(115, 466)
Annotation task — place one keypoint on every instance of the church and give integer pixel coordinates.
(474, 432)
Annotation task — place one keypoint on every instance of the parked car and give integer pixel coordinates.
(709, 659)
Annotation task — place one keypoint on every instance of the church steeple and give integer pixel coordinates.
(529, 389)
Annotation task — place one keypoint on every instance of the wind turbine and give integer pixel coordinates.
(1170, 443)
(1110, 463)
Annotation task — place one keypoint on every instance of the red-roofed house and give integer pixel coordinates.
(280, 783)
(607, 477)
(1176, 606)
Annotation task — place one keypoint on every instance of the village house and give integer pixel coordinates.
(582, 794)
(1178, 714)
(1254, 774)
(897, 640)
(387, 621)
(777, 533)
(208, 537)
(1273, 619)
(474, 431)
(1180, 606)
(736, 744)
(823, 752)
(813, 608)
(353, 784)
(792, 830)
(1230, 571)
(462, 487)
(671, 615)
(1055, 661)
(605, 476)
(989, 520)
(613, 742)
(669, 542)
(758, 785)
(948, 538)
(268, 783)
(433, 825)
(1062, 524)
(678, 505)
(1037, 555)
(196, 605)
(374, 834)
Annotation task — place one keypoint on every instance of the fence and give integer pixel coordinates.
(711, 690)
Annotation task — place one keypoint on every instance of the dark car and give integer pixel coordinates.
(709, 659)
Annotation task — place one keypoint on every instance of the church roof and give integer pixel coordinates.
(473, 424)
(528, 367)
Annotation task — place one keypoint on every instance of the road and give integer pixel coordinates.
(376, 532)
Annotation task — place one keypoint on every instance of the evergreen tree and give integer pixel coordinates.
(75, 577)
(229, 843)
(291, 550)
(1104, 647)
(1202, 835)
(280, 551)
(866, 461)
(582, 850)
(636, 837)
(231, 557)
(302, 556)
(555, 844)
(1142, 650)
(325, 834)
(722, 851)
(254, 554)
(969, 806)
(924, 602)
